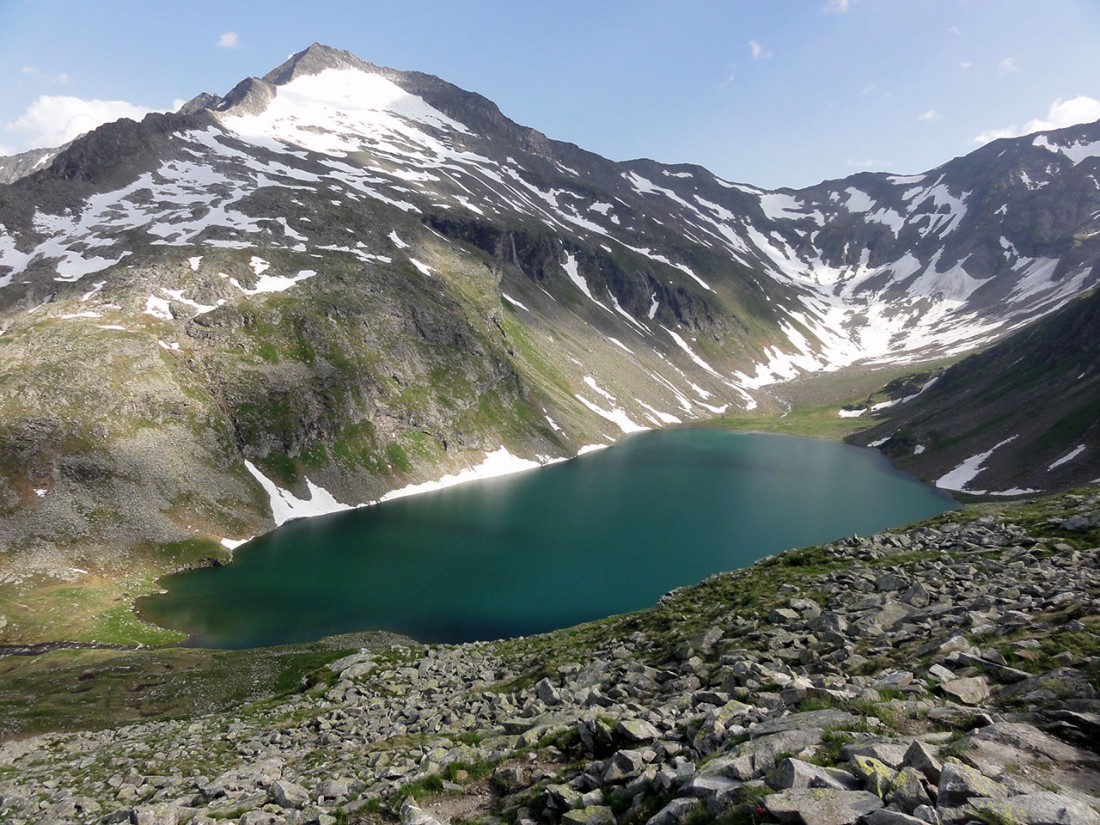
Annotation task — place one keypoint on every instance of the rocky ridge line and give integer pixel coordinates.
(943, 674)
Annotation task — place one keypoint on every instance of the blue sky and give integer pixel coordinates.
(768, 92)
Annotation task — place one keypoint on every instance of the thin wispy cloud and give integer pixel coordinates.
(731, 76)
(954, 30)
(931, 114)
(34, 71)
(1061, 113)
(837, 6)
(1007, 65)
(229, 40)
(869, 164)
(965, 65)
(758, 51)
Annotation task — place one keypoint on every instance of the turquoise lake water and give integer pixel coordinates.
(608, 532)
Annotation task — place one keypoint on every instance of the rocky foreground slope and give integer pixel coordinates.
(946, 673)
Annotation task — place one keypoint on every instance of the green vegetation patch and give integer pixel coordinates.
(96, 688)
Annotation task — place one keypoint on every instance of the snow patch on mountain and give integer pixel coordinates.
(953, 284)
(497, 463)
(858, 201)
(616, 415)
(158, 308)
(959, 479)
(335, 111)
(422, 267)
(572, 270)
(1077, 151)
(1068, 457)
(657, 417)
(273, 283)
(644, 186)
(286, 506)
(778, 206)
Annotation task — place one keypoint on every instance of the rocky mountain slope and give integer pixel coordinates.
(340, 279)
(942, 674)
(1021, 417)
(14, 167)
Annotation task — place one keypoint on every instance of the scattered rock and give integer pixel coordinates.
(821, 806)
(972, 690)
(1043, 808)
(794, 773)
(959, 783)
(675, 812)
(636, 730)
(590, 815)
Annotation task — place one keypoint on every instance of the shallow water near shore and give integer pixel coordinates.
(605, 533)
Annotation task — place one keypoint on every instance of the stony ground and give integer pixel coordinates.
(942, 674)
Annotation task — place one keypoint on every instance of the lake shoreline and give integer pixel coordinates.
(708, 491)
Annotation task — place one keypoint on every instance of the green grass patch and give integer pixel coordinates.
(120, 626)
(268, 352)
(397, 458)
(98, 688)
(281, 468)
(418, 789)
(810, 422)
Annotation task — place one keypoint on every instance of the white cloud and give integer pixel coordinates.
(6, 150)
(837, 6)
(54, 120)
(931, 114)
(996, 134)
(758, 51)
(1061, 113)
(954, 30)
(229, 40)
(1007, 65)
(965, 65)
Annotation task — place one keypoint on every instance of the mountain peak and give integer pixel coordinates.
(250, 96)
(314, 60)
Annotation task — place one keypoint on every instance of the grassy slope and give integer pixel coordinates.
(89, 689)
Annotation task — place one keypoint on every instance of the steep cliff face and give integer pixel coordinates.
(344, 278)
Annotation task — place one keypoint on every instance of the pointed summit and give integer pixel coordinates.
(251, 96)
(314, 60)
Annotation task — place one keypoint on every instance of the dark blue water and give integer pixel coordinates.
(605, 533)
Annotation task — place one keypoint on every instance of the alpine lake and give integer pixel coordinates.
(604, 533)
